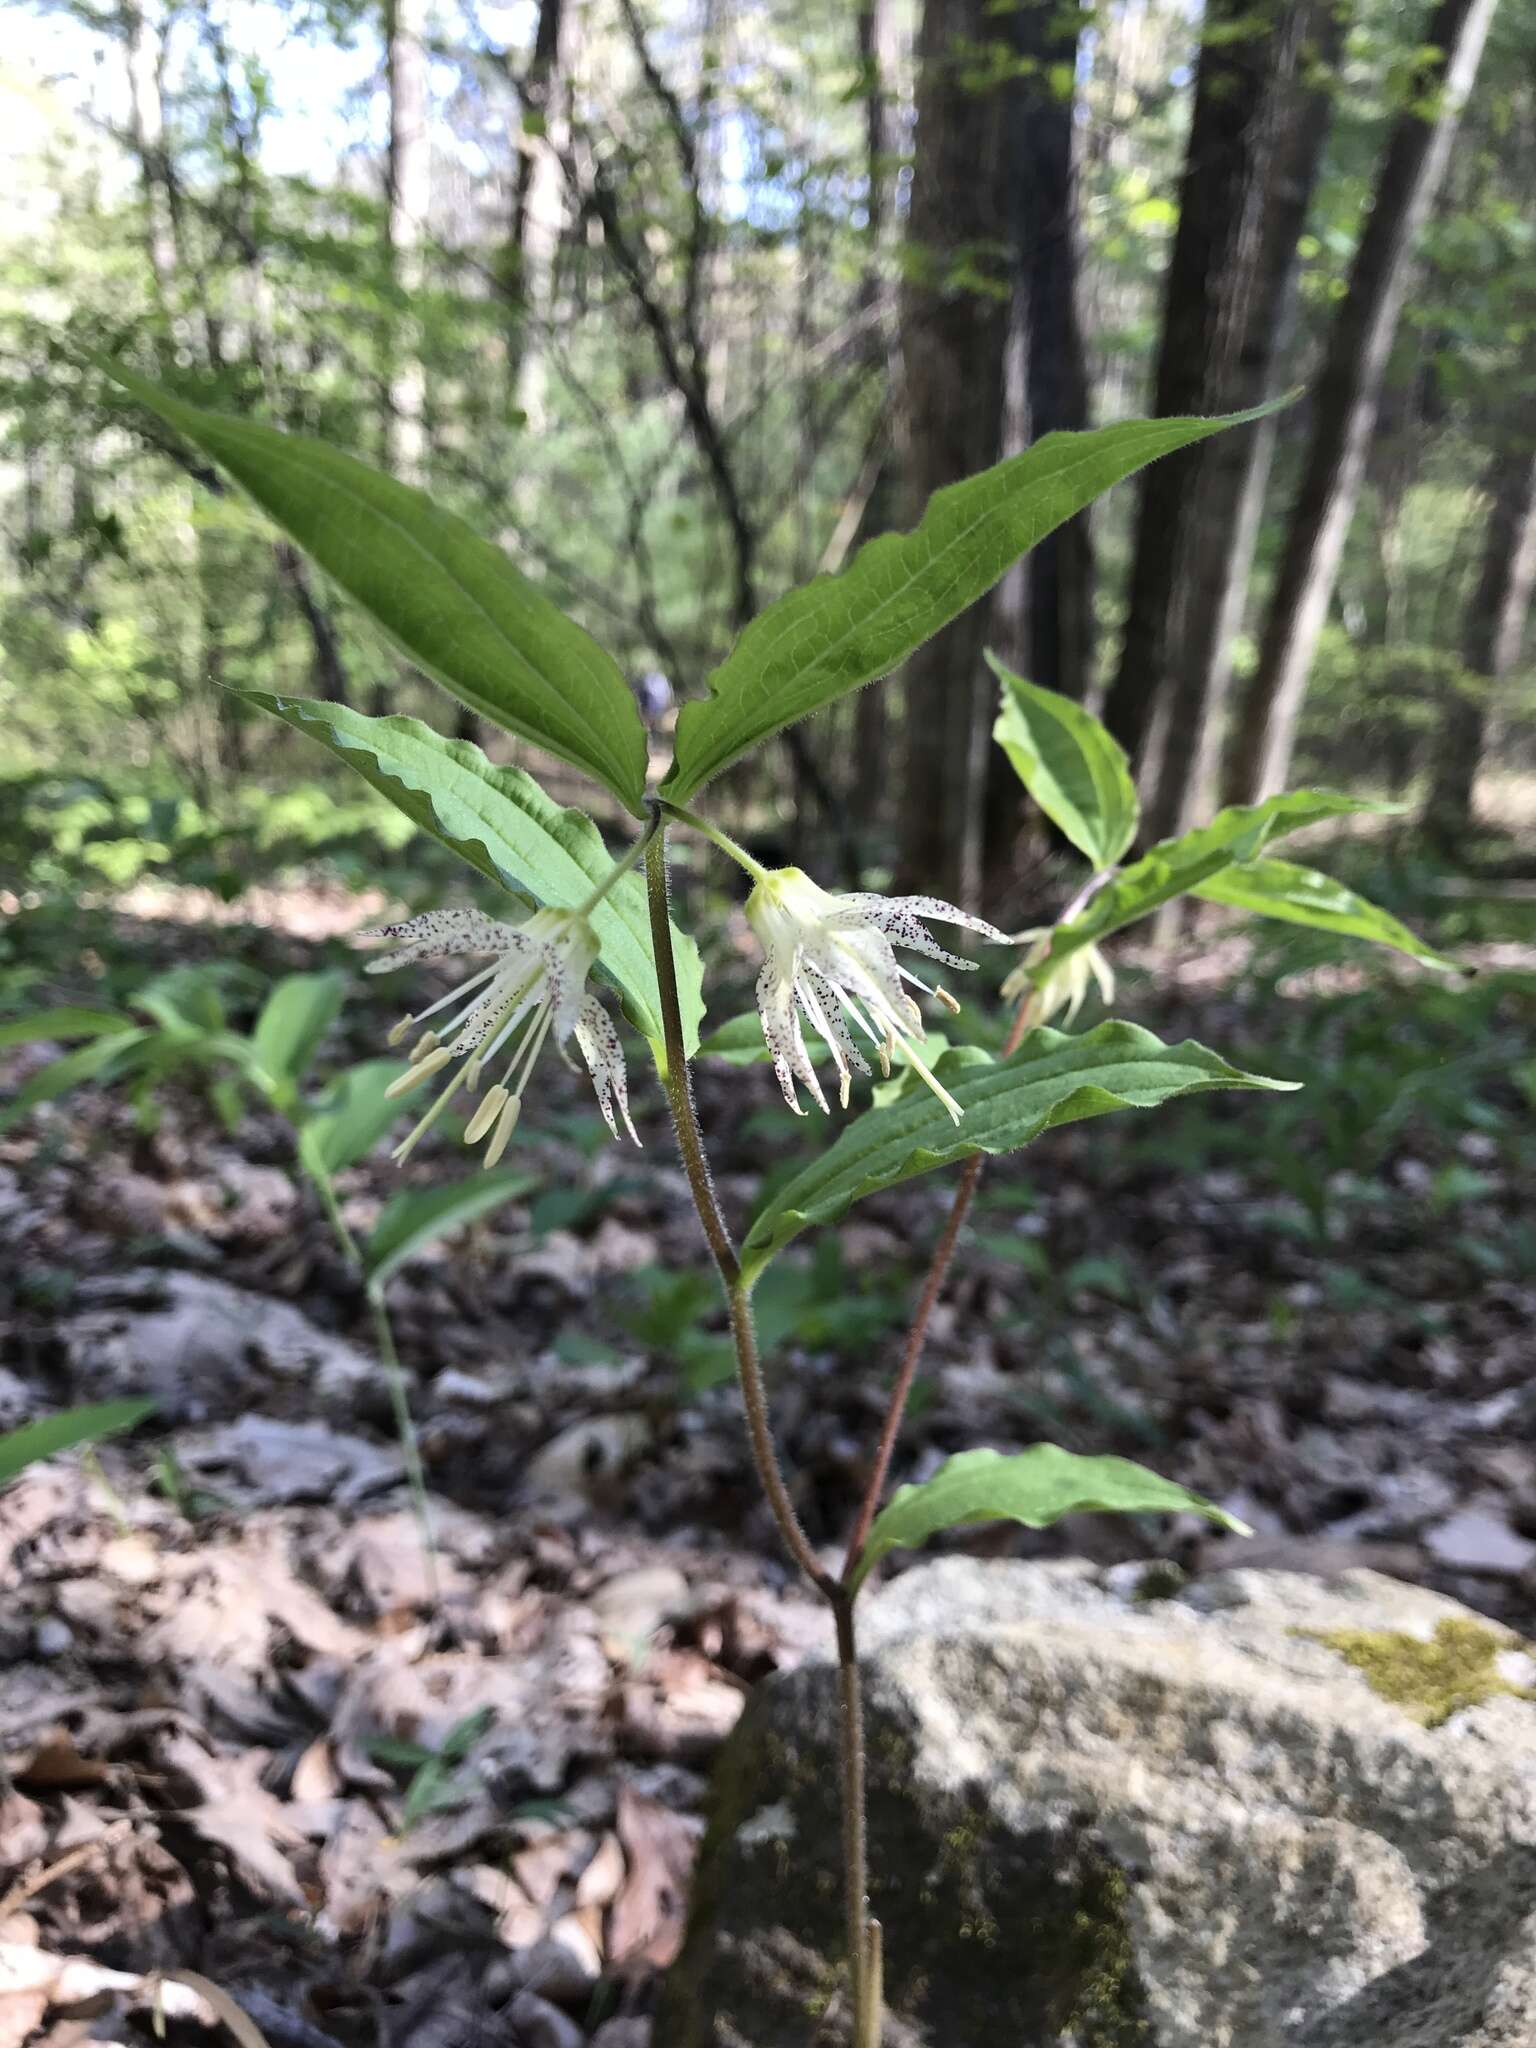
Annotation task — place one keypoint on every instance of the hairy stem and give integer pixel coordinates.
(690, 1144)
(863, 1939)
(927, 1302)
(866, 1994)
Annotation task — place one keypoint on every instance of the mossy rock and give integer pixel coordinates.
(1268, 1812)
(992, 1935)
(1433, 1677)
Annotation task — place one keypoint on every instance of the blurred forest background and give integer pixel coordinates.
(682, 301)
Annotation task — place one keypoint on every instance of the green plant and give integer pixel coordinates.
(436, 1774)
(22, 1447)
(457, 607)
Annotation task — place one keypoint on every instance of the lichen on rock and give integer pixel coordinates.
(1432, 1678)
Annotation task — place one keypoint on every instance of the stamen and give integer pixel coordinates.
(916, 1059)
(399, 1030)
(528, 1051)
(506, 1124)
(948, 1001)
(403, 1151)
(485, 1115)
(421, 1071)
(427, 1042)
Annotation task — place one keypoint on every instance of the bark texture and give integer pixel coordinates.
(1261, 112)
(1042, 615)
(1495, 629)
(1348, 393)
(409, 193)
(954, 329)
(538, 210)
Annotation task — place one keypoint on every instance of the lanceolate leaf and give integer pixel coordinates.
(1297, 895)
(54, 1433)
(93, 1061)
(42, 1025)
(501, 822)
(294, 1019)
(837, 632)
(1036, 1487)
(1052, 1079)
(352, 1117)
(1174, 867)
(449, 600)
(1070, 765)
(412, 1219)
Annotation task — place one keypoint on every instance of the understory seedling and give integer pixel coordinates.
(578, 915)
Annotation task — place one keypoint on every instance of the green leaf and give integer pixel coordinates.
(96, 1061)
(838, 632)
(740, 1041)
(350, 1119)
(452, 602)
(54, 1433)
(503, 824)
(413, 1218)
(1036, 1487)
(293, 1020)
(62, 1024)
(1174, 867)
(1297, 895)
(1052, 1079)
(1070, 765)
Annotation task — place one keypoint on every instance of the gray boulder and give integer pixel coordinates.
(1269, 1811)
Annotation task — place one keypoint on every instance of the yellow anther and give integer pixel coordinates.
(485, 1115)
(421, 1071)
(506, 1124)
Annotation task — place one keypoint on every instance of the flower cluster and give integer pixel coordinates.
(535, 986)
(1063, 988)
(832, 960)
(828, 959)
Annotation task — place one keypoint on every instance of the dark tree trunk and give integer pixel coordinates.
(1262, 104)
(1348, 393)
(1042, 615)
(409, 187)
(953, 335)
(870, 781)
(534, 240)
(1495, 629)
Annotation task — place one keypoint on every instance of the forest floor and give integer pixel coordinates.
(249, 1728)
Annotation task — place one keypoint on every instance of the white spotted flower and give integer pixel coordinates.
(536, 983)
(831, 959)
(1065, 988)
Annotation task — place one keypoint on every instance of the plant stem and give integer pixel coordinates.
(394, 1373)
(723, 840)
(690, 1143)
(621, 867)
(855, 1822)
(917, 1335)
(410, 1443)
(862, 1934)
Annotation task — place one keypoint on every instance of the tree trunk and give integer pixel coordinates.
(879, 61)
(1348, 393)
(1261, 112)
(1495, 628)
(146, 122)
(538, 214)
(1042, 614)
(409, 192)
(953, 337)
